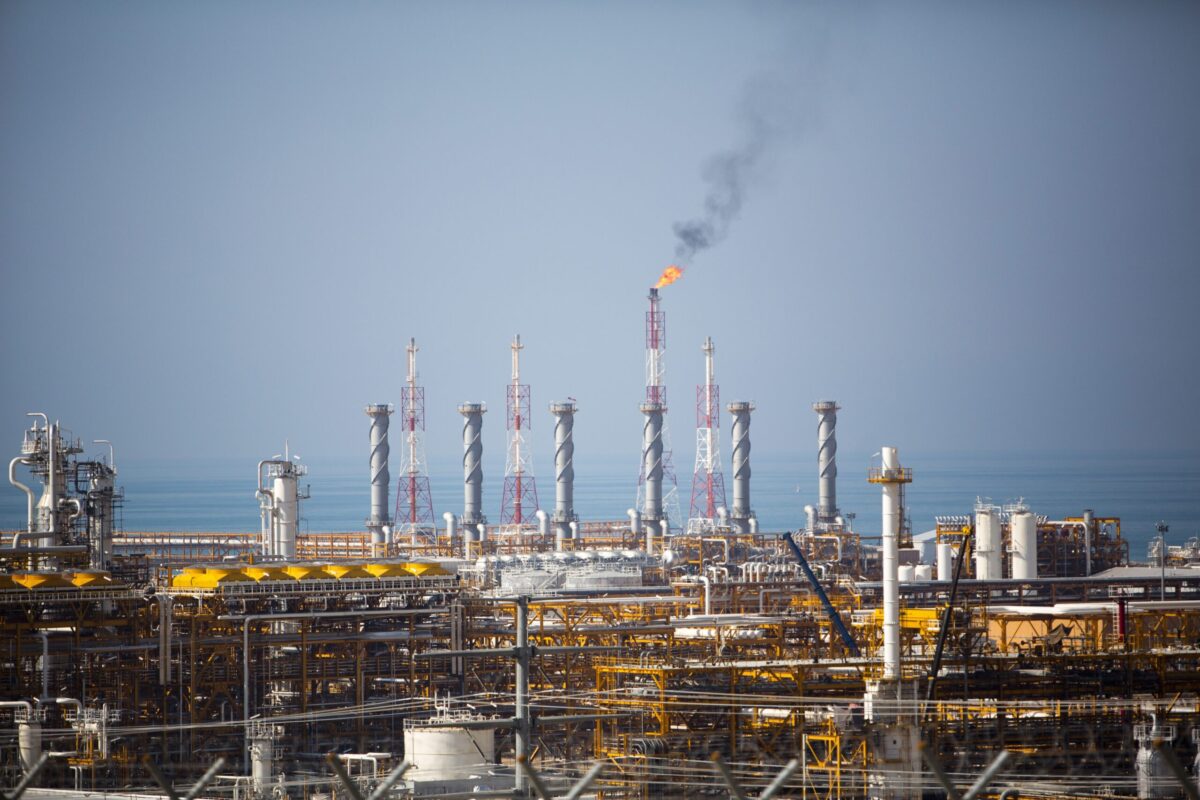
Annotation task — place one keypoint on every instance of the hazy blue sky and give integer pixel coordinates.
(977, 226)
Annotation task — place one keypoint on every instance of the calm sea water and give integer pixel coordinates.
(206, 495)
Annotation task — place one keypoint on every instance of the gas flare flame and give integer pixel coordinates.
(669, 276)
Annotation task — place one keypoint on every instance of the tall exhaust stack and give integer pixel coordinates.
(891, 477)
(564, 469)
(741, 513)
(472, 464)
(652, 467)
(827, 510)
(379, 523)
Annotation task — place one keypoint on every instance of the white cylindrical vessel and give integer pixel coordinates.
(1023, 529)
(988, 557)
(907, 573)
(262, 762)
(891, 563)
(445, 754)
(29, 743)
(287, 512)
(946, 554)
(923, 572)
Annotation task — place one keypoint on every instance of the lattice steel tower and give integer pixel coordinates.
(414, 503)
(708, 482)
(656, 392)
(519, 502)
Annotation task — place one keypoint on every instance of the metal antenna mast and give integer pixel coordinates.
(708, 482)
(519, 502)
(414, 503)
(656, 392)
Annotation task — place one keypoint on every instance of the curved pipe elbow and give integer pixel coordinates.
(12, 478)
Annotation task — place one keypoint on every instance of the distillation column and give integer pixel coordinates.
(827, 510)
(564, 469)
(653, 519)
(741, 514)
(379, 523)
(472, 468)
(896, 770)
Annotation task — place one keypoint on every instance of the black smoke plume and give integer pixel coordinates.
(773, 111)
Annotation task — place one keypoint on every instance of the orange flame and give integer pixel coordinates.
(669, 276)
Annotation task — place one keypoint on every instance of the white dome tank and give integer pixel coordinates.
(446, 754)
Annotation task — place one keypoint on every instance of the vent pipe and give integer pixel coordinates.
(564, 468)
(472, 464)
(741, 513)
(827, 510)
(379, 523)
(652, 468)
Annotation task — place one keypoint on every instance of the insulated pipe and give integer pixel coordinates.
(379, 520)
(564, 466)
(826, 459)
(12, 478)
(891, 565)
(45, 665)
(652, 468)
(740, 514)
(472, 463)
(704, 579)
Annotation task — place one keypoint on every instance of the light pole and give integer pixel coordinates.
(1162, 529)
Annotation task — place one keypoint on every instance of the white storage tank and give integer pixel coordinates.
(447, 754)
(924, 572)
(988, 556)
(945, 561)
(1023, 529)
(907, 573)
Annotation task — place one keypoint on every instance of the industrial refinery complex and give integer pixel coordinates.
(654, 653)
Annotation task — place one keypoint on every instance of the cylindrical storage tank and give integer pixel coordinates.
(826, 459)
(447, 753)
(1023, 529)
(29, 743)
(564, 467)
(740, 514)
(451, 526)
(287, 511)
(923, 572)
(987, 545)
(946, 553)
(907, 573)
(472, 463)
(652, 468)
(380, 518)
(262, 762)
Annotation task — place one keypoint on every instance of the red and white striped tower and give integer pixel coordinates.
(414, 503)
(519, 503)
(656, 392)
(708, 481)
